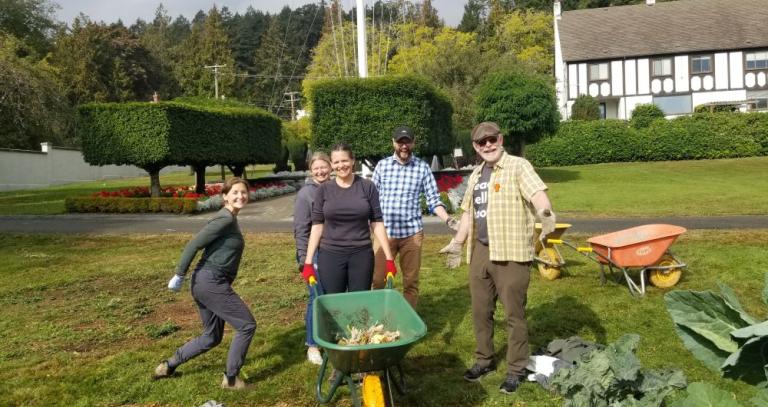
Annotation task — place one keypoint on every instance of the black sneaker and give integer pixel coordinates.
(510, 384)
(476, 372)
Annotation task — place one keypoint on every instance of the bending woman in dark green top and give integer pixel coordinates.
(222, 244)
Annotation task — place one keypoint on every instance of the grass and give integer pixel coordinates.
(50, 201)
(85, 319)
(669, 188)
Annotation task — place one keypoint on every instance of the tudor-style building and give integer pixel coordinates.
(677, 55)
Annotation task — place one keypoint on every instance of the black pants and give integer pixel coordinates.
(346, 271)
(218, 303)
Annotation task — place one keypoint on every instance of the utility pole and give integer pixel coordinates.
(215, 77)
(293, 107)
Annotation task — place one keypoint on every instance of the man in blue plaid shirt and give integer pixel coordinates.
(401, 179)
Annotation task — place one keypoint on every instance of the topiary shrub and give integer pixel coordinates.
(153, 135)
(522, 104)
(644, 115)
(363, 113)
(585, 107)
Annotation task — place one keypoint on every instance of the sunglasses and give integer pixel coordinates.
(487, 140)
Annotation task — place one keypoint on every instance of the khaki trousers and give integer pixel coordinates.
(508, 282)
(409, 249)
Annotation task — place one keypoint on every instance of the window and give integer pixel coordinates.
(674, 104)
(598, 72)
(760, 99)
(662, 67)
(701, 64)
(757, 60)
(602, 111)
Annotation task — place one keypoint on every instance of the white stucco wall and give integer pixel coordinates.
(39, 169)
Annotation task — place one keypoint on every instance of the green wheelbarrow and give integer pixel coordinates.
(378, 364)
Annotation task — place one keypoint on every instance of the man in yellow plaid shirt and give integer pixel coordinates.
(503, 198)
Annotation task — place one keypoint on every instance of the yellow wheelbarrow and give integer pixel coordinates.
(548, 258)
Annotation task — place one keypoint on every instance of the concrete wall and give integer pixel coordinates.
(21, 169)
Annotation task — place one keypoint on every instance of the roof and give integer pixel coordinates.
(673, 27)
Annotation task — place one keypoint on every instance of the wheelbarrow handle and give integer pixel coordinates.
(390, 280)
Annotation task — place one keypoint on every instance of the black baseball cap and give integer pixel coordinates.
(401, 133)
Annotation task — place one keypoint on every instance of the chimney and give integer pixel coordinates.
(557, 10)
(650, 2)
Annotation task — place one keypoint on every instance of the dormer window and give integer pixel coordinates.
(662, 67)
(701, 64)
(598, 72)
(757, 60)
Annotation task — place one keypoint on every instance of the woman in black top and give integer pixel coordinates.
(344, 212)
(222, 244)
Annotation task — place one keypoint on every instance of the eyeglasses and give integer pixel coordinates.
(487, 140)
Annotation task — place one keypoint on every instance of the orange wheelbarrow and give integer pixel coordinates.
(644, 248)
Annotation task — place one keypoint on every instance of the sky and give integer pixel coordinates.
(129, 10)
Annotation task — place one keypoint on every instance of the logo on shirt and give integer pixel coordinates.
(481, 200)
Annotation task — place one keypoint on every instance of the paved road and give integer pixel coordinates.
(275, 215)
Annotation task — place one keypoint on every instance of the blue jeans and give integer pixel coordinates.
(308, 316)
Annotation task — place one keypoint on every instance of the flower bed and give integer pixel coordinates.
(173, 199)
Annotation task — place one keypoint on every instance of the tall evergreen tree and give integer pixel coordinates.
(157, 39)
(31, 21)
(207, 45)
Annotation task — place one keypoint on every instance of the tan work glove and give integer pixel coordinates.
(547, 219)
(452, 223)
(453, 253)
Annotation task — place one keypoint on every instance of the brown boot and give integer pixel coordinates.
(235, 383)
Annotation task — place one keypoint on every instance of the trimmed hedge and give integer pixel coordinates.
(700, 136)
(130, 205)
(153, 135)
(364, 112)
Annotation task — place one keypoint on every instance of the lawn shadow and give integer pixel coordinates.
(436, 380)
(557, 175)
(443, 311)
(563, 318)
(287, 350)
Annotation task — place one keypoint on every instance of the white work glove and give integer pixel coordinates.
(453, 253)
(547, 219)
(176, 282)
(452, 223)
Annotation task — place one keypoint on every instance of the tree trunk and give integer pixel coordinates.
(199, 178)
(154, 181)
(237, 170)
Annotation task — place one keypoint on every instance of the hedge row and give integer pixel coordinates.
(700, 136)
(364, 112)
(159, 134)
(130, 205)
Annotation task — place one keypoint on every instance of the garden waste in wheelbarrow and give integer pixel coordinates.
(333, 313)
(644, 248)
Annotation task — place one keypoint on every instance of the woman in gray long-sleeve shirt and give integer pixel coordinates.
(222, 244)
(320, 168)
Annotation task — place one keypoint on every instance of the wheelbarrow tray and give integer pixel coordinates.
(332, 314)
(641, 246)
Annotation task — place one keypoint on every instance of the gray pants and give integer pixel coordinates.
(218, 303)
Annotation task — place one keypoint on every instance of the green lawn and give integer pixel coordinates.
(81, 319)
(678, 188)
(48, 201)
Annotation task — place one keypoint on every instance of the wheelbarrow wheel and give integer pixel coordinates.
(547, 271)
(668, 277)
(373, 391)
